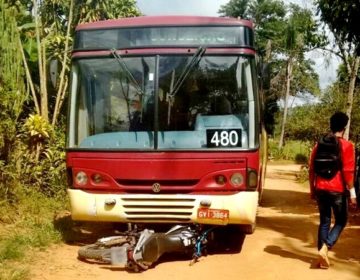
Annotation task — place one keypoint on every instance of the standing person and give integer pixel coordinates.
(331, 188)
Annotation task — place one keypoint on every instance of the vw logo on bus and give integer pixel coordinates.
(156, 187)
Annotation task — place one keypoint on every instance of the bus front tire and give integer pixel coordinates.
(247, 229)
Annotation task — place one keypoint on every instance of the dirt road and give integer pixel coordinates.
(282, 247)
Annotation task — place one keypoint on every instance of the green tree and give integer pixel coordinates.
(342, 19)
(283, 35)
(53, 26)
(268, 17)
(46, 39)
(93, 10)
(13, 93)
(34, 33)
(309, 122)
(235, 8)
(305, 124)
(299, 37)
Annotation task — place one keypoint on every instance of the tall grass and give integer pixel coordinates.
(13, 273)
(26, 225)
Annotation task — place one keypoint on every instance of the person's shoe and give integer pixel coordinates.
(323, 257)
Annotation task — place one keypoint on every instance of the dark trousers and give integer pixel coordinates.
(336, 203)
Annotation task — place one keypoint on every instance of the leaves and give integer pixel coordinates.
(37, 128)
(93, 10)
(31, 150)
(342, 17)
(12, 87)
(290, 31)
(268, 17)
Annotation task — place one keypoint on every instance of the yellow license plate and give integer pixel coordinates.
(213, 214)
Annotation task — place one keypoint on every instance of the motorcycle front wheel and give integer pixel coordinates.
(97, 252)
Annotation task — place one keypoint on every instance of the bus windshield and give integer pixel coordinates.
(147, 103)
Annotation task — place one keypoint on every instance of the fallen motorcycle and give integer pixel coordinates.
(138, 250)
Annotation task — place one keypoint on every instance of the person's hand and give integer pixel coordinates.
(352, 197)
(353, 202)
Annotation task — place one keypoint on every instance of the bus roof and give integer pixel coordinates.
(165, 21)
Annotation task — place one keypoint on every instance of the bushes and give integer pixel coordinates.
(32, 189)
(37, 161)
(295, 151)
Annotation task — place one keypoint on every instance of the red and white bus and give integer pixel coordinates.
(165, 122)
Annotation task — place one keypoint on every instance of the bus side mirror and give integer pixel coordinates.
(265, 76)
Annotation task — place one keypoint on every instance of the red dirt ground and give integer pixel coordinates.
(283, 246)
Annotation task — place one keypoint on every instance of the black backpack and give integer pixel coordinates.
(327, 159)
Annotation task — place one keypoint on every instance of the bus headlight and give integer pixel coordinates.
(252, 179)
(237, 179)
(81, 178)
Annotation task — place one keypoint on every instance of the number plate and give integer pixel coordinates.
(216, 138)
(213, 214)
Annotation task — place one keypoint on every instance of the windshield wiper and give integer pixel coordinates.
(191, 64)
(128, 74)
(187, 69)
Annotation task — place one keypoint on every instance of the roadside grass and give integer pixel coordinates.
(297, 152)
(13, 273)
(293, 151)
(26, 226)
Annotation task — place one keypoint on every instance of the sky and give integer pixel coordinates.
(180, 7)
(325, 68)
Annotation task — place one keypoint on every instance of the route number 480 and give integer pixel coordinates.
(223, 138)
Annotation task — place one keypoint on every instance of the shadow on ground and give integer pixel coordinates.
(292, 202)
(79, 233)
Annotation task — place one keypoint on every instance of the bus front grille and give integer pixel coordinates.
(158, 209)
(166, 183)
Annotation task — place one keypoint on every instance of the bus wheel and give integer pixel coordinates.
(227, 239)
(247, 229)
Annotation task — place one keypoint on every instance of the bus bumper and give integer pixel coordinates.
(239, 208)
